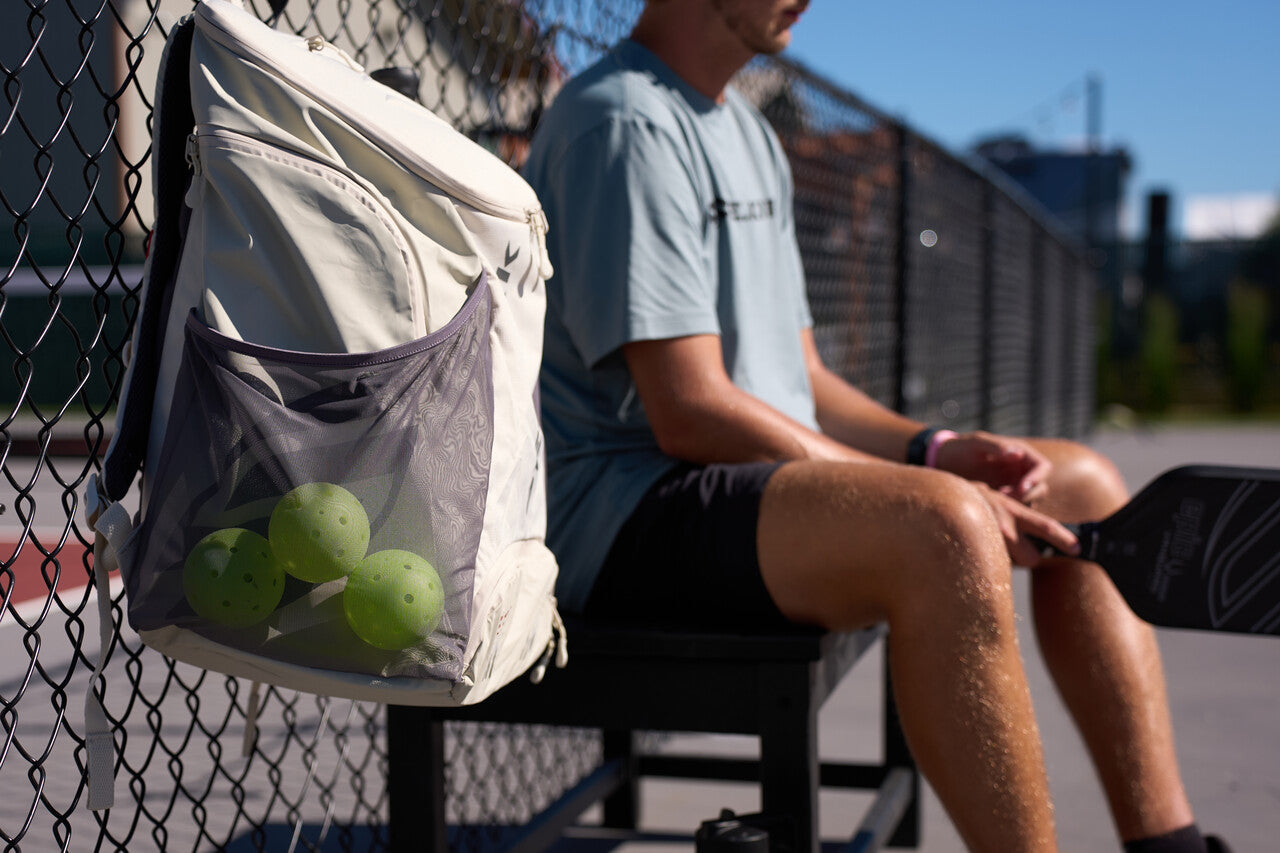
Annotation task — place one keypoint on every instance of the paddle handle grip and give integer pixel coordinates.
(1088, 533)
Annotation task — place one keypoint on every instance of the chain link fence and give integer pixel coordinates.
(934, 287)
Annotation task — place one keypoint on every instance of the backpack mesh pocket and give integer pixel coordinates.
(322, 509)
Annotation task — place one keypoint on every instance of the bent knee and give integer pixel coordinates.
(1085, 485)
(844, 545)
(954, 512)
(956, 539)
(956, 576)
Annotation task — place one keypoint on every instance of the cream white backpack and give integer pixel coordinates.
(332, 389)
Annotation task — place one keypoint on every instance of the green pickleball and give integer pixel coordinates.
(393, 600)
(319, 532)
(232, 577)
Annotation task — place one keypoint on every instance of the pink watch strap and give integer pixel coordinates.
(939, 438)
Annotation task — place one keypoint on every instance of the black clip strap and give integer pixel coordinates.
(918, 447)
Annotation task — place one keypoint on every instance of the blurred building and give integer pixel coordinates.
(1083, 189)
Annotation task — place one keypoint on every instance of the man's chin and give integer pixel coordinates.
(775, 45)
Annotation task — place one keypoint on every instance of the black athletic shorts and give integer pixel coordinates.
(687, 555)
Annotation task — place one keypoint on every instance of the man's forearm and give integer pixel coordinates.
(698, 414)
(733, 426)
(849, 416)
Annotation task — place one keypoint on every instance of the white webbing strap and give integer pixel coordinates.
(562, 641)
(111, 527)
(558, 646)
(305, 611)
(251, 719)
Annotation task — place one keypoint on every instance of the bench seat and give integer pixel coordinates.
(625, 679)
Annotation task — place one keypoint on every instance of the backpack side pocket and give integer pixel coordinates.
(324, 509)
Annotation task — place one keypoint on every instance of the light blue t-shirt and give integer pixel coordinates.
(670, 215)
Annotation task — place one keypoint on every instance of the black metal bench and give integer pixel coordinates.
(629, 679)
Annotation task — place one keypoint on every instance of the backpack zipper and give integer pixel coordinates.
(397, 150)
(316, 44)
(254, 147)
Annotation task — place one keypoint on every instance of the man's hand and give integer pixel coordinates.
(1009, 466)
(1018, 523)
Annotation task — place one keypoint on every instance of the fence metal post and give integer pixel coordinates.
(901, 258)
(1035, 358)
(1070, 309)
(986, 382)
(896, 751)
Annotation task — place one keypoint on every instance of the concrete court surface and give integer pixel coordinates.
(1224, 693)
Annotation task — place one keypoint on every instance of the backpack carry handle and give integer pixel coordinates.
(401, 78)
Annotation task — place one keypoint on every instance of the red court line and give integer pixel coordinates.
(29, 583)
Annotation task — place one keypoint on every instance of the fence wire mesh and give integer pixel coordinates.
(945, 239)
(1012, 251)
(932, 288)
(845, 163)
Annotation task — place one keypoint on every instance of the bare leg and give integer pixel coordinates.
(1105, 660)
(845, 545)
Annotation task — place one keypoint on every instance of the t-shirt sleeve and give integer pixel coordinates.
(628, 228)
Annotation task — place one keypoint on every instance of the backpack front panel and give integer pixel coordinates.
(335, 226)
(346, 471)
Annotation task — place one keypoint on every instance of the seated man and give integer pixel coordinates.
(705, 465)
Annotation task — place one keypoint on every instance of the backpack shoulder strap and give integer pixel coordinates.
(172, 123)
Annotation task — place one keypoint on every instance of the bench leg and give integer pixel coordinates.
(415, 780)
(622, 807)
(896, 754)
(789, 765)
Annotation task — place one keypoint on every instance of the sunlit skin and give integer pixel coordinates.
(711, 39)
(849, 536)
(763, 26)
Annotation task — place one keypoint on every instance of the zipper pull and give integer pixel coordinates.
(540, 668)
(315, 44)
(557, 647)
(562, 637)
(538, 225)
(193, 154)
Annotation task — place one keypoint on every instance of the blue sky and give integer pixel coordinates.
(1192, 90)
